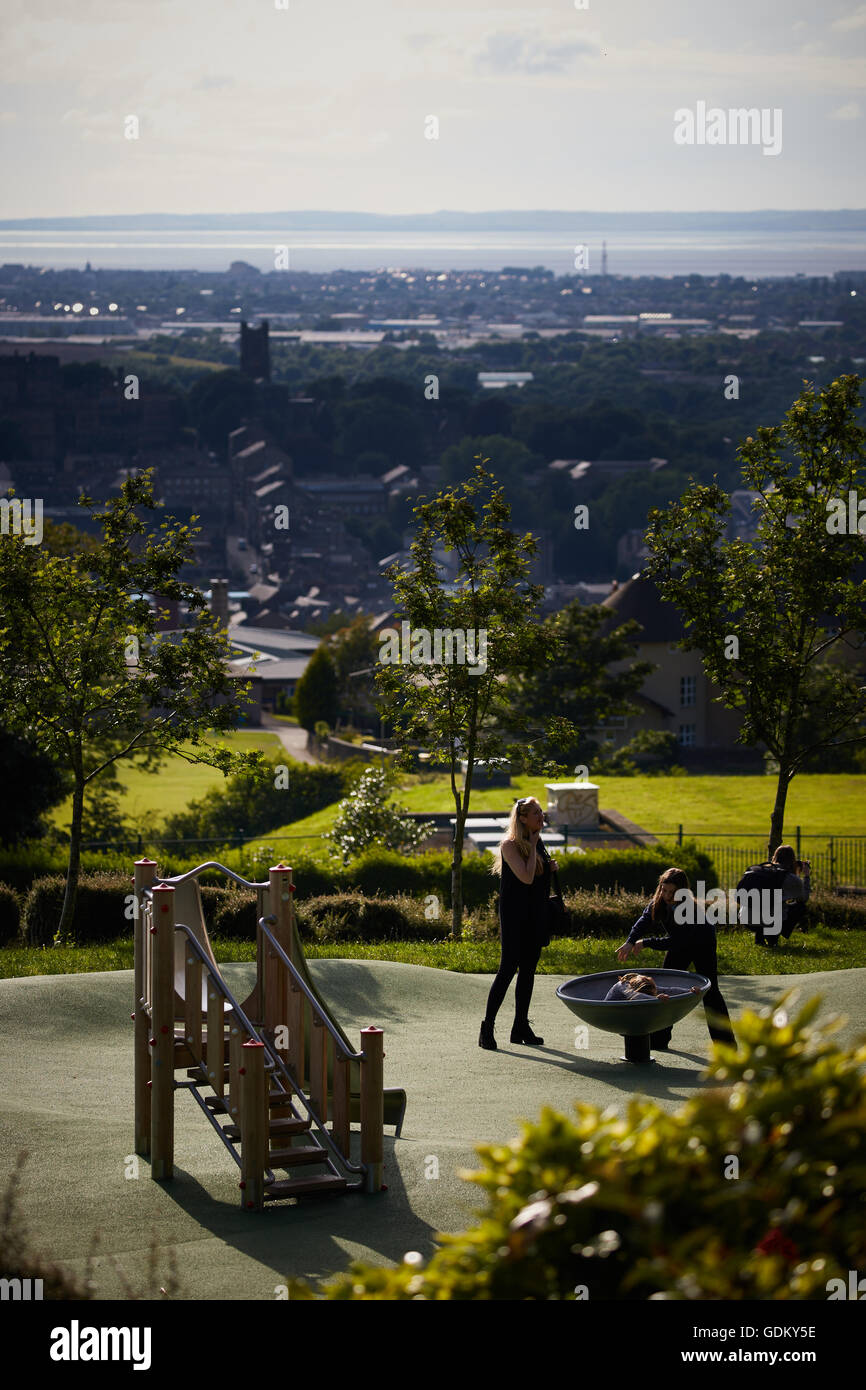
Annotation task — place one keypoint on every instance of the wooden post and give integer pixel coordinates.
(192, 1005)
(341, 1129)
(280, 1008)
(216, 1048)
(254, 1125)
(372, 1107)
(276, 1004)
(319, 1067)
(237, 1039)
(145, 873)
(162, 1034)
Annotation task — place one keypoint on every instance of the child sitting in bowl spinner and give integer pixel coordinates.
(641, 987)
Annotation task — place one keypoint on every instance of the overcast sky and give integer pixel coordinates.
(245, 107)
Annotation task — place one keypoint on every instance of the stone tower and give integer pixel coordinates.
(255, 353)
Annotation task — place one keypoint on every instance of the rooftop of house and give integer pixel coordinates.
(639, 599)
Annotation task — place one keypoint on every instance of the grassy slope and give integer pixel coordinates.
(150, 796)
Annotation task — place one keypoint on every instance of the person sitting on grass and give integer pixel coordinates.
(642, 987)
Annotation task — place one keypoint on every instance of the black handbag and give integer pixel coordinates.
(558, 916)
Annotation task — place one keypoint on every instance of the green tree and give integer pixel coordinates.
(366, 820)
(316, 691)
(779, 620)
(578, 681)
(460, 709)
(84, 674)
(39, 785)
(355, 651)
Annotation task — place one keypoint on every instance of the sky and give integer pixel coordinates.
(244, 107)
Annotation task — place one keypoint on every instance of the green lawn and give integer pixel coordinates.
(819, 949)
(149, 797)
(820, 803)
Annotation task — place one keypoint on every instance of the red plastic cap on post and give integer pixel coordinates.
(372, 1028)
(252, 1044)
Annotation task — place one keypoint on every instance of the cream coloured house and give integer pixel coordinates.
(677, 696)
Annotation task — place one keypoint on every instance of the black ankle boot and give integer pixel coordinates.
(486, 1038)
(522, 1033)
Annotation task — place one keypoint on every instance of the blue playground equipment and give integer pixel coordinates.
(633, 1019)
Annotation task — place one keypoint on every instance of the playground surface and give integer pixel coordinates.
(66, 1082)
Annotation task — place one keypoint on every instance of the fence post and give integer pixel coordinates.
(680, 835)
(145, 874)
(162, 1038)
(372, 1107)
(799, 855)
(832, 863)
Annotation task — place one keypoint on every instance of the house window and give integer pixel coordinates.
(688, 690)
(686, 736)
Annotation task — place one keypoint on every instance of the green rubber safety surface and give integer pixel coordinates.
(66, 1071)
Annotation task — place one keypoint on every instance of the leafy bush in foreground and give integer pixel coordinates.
(755, 1189)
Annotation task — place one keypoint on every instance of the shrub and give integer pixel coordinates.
(235, 914)
(10, 915)
(99, 909)
(366, 818)
(350, 917)
(256, 802)
(643, 1207)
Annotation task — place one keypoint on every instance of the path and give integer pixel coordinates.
(293, 739)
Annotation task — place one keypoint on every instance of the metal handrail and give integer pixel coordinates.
(302, 985)
(275, 1060)
(212, 864)
(217, 978)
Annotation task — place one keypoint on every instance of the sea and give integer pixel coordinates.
(750, 253)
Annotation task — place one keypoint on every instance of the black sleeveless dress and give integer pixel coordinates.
(523, 906)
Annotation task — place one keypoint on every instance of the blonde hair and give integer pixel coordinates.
(515, 831)
(639, 984)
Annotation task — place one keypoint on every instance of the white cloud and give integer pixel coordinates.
(509, 53)
(855, 20)
(849, 112)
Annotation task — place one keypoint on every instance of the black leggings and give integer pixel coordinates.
(520, 952)
(704, 958)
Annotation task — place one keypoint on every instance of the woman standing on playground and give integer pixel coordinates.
(685, 944)
(525, 868)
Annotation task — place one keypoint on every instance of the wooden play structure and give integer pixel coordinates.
(269, 1073)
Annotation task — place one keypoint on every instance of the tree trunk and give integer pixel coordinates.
(777, 820)
(64, 929)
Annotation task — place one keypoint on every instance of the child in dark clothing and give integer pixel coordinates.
(685, 944)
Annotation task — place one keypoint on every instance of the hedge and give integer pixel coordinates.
(377, 871)
(230, 913)
(10, 915)
(100, 908)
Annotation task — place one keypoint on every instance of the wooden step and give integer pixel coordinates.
(277, 1129)
(276, 1098)
(298, 1187)
(304, 1153)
